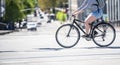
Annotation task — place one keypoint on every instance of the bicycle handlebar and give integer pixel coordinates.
(76, 19)
(73, 16)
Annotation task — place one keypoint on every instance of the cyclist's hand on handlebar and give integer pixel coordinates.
(77, 12)
(73, 14)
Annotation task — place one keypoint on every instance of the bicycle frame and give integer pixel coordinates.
(74, 22)
(98, 30)
(91, 25)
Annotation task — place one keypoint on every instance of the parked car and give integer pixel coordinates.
(32, 26)
(3, 26)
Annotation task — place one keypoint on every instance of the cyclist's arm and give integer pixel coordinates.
(83, 7)
(80, 10)
(83, 4)
(77, 12)
(86, 4)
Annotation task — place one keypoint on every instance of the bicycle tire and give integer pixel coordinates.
(65, 40)
(104, 30)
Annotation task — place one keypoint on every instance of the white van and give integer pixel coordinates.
(31, 23)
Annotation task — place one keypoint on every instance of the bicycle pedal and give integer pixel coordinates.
(88, 39)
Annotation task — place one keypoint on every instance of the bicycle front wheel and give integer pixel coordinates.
(104, 34)
(67, 35)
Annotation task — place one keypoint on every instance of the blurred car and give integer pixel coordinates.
(3, 26)
(42, 16)
(32, 26)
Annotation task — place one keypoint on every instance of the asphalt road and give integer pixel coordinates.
(40, 48)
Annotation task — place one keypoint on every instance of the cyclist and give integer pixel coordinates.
(96, 13)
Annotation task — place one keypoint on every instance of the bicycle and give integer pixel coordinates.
(102, 33)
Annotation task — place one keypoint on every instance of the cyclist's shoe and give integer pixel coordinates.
(88, 39)
(85, 36)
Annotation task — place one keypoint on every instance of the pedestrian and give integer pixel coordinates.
(61, 16)
(95, 6)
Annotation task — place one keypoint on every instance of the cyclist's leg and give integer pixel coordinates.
(89, 20)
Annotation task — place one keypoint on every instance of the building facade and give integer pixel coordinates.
(113, 10)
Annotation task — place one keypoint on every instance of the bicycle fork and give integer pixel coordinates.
(68, 34)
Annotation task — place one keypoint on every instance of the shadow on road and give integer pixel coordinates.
(7, 51)
(58, 49)
(50, 49)
(112, 47)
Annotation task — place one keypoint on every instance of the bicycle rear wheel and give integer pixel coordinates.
(67, 35)
(103, 34)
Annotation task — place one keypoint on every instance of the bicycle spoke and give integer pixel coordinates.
(106, 35)
(67, 36)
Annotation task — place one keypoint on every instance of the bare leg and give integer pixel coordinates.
(89, 20)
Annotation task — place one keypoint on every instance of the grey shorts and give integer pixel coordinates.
(97, 13)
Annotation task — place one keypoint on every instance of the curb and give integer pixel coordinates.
(5, 32)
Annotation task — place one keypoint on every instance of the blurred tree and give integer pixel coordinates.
(14, 7)
(13, 10)
(61, 3)
(45, 4)
(29, 4)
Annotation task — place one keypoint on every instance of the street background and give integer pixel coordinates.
(27, 34)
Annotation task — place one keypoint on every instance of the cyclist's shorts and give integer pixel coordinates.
(97, 13)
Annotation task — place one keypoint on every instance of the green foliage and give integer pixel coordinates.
(14, 7)
(45, 4)
(28, 4)
(13, 10)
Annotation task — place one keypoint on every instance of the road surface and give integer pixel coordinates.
(40, 48)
